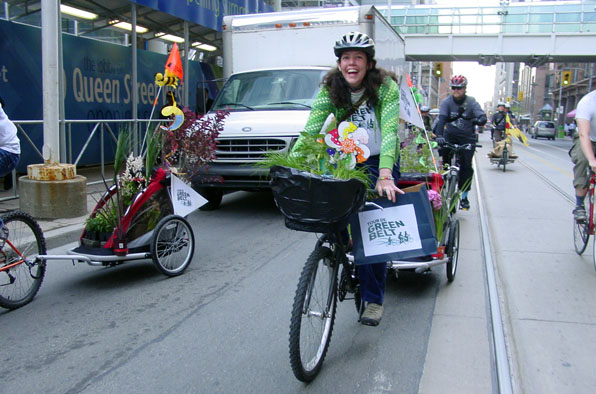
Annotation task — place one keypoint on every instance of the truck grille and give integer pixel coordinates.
(235, 149)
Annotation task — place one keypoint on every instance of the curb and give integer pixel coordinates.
(61, 236)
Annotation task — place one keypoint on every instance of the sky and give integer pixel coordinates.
(481, 79)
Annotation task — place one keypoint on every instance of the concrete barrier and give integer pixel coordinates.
(53, 199)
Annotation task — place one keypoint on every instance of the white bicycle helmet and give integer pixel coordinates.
(500, 103)
(424, 108)
(355, 41)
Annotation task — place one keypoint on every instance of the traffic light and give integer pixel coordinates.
(438, 69)
(566, 78)
(520, 96)
(508, 99)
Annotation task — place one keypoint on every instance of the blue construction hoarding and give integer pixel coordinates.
(97, 84)
(207, 13)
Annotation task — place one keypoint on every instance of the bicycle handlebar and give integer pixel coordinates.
(458, 147)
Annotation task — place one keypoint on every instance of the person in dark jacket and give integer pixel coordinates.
(458, 116)
(499, 122)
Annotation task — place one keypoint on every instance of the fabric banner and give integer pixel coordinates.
(408, 109)
(184, 199)
(401, 230)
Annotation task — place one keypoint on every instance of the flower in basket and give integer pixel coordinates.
(349, 142)
(333, 152)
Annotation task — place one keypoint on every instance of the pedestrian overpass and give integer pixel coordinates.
(534, 33)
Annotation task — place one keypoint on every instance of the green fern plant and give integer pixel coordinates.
(315, 158)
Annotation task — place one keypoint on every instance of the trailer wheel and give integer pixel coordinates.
(172, 245)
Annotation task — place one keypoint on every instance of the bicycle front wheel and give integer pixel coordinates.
(581, 236)
(313, 314)
(505, 158)
(451, 187)
(20, 273)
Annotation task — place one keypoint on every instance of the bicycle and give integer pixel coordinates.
(582, 230)
(451, 176)
(21, 271)
(318, 290)
(506, 157)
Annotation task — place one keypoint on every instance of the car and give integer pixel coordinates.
(545, 129)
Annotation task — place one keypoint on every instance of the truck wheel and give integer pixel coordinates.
(214, 197)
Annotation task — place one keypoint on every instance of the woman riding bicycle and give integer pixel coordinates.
(360, 93)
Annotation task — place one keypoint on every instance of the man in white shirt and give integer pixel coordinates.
(10, 147)
(582, 151)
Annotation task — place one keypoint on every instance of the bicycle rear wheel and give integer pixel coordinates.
(20, 273)
(313, 314)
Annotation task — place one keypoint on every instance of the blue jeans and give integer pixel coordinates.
(8, 161)
(372, 277)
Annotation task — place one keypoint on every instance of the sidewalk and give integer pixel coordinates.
(58, 232)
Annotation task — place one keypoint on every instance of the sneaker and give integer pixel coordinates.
(464, 204)
(372, 314)
(579, 213)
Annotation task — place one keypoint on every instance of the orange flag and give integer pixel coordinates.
(410, 84)
(174, 63)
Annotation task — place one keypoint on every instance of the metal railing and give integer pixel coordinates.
(102, 127)
(515, 18)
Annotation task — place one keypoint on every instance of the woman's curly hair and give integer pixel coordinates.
(339, 90)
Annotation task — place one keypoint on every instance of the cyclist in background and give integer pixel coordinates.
(499, 121)
(458, 115)
(370, 99)
(426, 119)
(511, 115)
(582, 151)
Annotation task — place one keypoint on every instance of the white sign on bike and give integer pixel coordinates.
(184, 198)
(408, 109)
(390, 230)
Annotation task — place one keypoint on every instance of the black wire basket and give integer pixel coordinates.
(315, 203)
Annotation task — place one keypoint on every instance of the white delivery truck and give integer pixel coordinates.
(273, 64)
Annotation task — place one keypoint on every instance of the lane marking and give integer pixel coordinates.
(564, 172)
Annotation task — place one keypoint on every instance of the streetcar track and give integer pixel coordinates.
(566, 195)
(499, 352)
(499, 346)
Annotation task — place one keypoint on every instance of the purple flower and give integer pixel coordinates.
(435, 199)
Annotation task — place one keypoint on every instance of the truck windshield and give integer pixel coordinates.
(270, 90)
